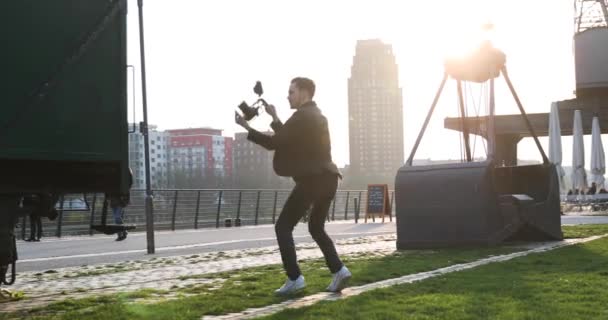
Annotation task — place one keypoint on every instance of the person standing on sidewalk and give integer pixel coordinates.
(41, 205)
(118, 204)
(302, 150)
(35, 227)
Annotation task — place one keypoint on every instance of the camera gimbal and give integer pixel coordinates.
(249, 112)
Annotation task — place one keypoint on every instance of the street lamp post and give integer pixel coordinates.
(144, 131)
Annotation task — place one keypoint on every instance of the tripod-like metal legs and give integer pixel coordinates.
(426, 121)
(490, 134)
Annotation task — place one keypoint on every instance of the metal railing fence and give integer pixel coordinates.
(176, 209)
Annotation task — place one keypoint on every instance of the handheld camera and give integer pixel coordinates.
(249, 112)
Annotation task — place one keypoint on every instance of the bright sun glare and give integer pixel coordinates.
(464, 25)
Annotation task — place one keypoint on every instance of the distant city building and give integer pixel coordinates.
(253, 165)
(194, 155)
(228, 157)
(159, 157)
(375, 108)
(201, 152)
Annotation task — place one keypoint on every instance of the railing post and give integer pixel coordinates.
(174, 211)
(346, 206)
(23, 228)
(333, 210)
(237, 222)
(60, 218)
(357, 203)
(257, 208)
(219, 207)
(92, 213)
(274, 207)
(104, 210)
(392, 205)
(198, 202)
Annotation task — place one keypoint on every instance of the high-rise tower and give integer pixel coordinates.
(375, 108)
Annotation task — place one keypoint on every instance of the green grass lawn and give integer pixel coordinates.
(248, 288)
(456, 294)
(583, 231)
(567, 283)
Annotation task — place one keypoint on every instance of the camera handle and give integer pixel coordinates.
(262, 101)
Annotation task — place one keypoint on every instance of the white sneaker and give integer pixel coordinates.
(291, 286)
(340, 280)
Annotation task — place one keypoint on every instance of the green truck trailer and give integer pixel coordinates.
(63, 114)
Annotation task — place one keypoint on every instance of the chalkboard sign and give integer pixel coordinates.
(377, 201)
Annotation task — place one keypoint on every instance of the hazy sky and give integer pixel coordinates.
(203, 58)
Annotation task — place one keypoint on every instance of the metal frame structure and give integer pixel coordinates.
(476, 203)
(491, 136)
(590, 14)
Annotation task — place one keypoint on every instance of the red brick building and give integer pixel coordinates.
(203, 150)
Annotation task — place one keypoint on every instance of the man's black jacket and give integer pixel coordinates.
(302, 146)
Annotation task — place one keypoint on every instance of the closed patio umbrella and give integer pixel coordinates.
(598, 160)
(579, 176)
(555, 143)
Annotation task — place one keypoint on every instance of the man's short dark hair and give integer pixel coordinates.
(305, 84)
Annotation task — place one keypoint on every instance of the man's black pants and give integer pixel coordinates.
(318, 191)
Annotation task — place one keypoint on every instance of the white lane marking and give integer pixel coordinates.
(185, 231)
(187, 246)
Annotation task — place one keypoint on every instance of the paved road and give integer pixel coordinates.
(572, 220)
(76, 251)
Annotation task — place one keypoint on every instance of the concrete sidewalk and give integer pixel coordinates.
(53, 253)
(92, 250)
